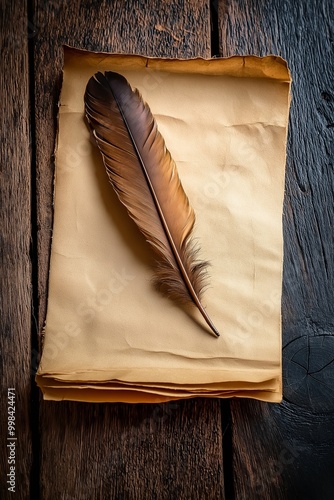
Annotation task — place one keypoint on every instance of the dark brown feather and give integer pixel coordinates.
(145, 178)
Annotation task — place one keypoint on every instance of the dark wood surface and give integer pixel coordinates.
(202, 449)
(287, 450)
(15, 234)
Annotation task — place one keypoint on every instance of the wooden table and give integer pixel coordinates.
(199, 449)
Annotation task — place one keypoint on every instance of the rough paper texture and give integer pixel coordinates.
(109, 335)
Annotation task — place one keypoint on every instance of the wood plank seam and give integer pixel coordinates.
(35, 348)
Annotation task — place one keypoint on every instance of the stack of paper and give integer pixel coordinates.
(109, 335)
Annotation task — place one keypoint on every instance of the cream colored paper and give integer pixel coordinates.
(109, 335)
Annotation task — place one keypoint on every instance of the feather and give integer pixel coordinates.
(145, 178)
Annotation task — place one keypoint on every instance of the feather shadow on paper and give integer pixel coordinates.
(132, 237)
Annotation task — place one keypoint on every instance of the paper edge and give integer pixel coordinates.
(248, 67)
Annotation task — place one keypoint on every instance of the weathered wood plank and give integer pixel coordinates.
(15, 232)
(117, 451)
(134, 452)
(285, 451)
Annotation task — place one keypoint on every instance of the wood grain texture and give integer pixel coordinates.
(131, 452)
(15, 271)
(110, 450)
(286, 451)
(174, 450)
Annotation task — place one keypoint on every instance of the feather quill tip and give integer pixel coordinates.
(215, 331)
(209, 322)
